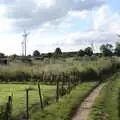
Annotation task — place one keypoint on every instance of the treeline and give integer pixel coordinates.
(105, 50)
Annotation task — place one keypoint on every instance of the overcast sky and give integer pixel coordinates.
(68, 24)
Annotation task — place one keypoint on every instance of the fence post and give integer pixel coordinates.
(69, 84)
(119, 103)
(9, 108)
(43, 76)
(75, 81)
(57, 90)
(27, 104)
(41, 101)
(63, 81)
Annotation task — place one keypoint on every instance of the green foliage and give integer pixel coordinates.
(75, 71)
(66, 105)
(49, 55)
(91, 69)
(36, 53)
(18, 90)
(106, 50)
(57, 52)
(117, 49)
(81, 53)
(106, 106)
(88, 51)
(89, 74)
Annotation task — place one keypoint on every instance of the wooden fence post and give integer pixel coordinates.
(27, 104)
(69, 84)
(119, 103)
(75, 81)
(9, 108)
(62, 86)
(43, 76)
(57, 89)
(41, 101)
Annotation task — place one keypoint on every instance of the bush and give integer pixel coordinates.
(89, 74)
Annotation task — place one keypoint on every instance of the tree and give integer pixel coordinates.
(14, 56)
(117, 49)
(58, 51)
(29, 56)
(81, 53)
(88, 51)
(36, 53)
(106, 50)
(49, 55)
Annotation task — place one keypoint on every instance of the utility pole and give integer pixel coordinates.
(25, 35)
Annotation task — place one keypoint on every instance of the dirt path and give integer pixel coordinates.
(85, 108)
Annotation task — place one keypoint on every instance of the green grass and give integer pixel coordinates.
(107, 103)
(21, 72)
(87, 69)
(64, 109)
(19, 95)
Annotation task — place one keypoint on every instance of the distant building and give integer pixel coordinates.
(4, 61)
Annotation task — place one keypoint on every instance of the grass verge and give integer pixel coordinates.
(65, 107)
(106, 106)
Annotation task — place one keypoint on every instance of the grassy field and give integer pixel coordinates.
(85, 66)
(87, 71)
(64, 109)
(19, 95)
(107, 104)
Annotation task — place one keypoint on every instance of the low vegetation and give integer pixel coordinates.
(63, 109)
(79, 74)
(44, 73)
(107, 104)
(18, 91)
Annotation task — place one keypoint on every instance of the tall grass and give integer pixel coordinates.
(106, 106)
(63, 109)
(87, 70)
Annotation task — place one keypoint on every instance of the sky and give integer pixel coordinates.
(69, 24)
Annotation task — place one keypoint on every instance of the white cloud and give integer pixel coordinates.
(52, 18)
(2, 10)
(5, 25)
(82, 15)
(106, 25)
(10, 43)
(104, 19)
(30, 14)
(85, 38)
